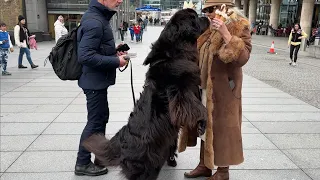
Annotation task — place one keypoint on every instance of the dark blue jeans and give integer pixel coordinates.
(98, 116)
(22, 51)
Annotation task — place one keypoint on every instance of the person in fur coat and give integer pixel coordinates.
(223, 49)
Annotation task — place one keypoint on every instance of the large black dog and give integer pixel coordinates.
(169, 100)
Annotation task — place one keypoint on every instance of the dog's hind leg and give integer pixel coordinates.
(171, 161)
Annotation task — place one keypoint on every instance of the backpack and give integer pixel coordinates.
(64, 58)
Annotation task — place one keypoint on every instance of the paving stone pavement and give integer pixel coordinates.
(42, 118)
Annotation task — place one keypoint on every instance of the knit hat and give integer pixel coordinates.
(209, 3)
(20, 18)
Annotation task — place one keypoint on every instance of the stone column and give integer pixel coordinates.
(252, 12)
(237, 3)
(306, 19)
(274, 14)
(246, 7)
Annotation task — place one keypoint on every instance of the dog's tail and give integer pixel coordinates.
(106, 151)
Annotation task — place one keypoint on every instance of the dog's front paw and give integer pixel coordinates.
(172, 162)
(201, 127)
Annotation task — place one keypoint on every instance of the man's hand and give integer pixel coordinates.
(11, 49)
(123, 62)
(120, 53)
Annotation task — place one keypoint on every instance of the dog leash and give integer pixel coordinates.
(127, 58)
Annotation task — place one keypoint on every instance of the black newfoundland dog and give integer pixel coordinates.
(170, 99)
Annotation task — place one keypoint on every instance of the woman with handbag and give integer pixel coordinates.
(21, 36)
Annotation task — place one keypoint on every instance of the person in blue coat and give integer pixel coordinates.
(131, 32)
(99, 58)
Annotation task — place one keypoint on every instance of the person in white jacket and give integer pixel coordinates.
(59, 28)
(21, 37)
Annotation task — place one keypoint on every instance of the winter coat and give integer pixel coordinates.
(220, 65)
(21, 36)
(59, 30)
(96, 48)
(136, 29)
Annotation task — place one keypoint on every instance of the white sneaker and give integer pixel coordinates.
(290, 63)
(294, 64)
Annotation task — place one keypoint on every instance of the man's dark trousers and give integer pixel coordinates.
(98, 116)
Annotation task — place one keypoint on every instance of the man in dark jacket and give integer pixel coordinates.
(97, 53)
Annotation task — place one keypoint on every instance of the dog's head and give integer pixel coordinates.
(180, 34)
(184, 25)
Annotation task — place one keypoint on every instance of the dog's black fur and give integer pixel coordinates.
(169, 100)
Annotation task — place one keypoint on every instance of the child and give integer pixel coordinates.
(131, 32)
(5, 46)
(137, 32)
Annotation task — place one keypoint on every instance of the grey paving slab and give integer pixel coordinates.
(112, 175)
(259, 85)
(45, 161)
(280, 108)
(32, 108)
(9, 86)
(282, 116)
(47, 89)
(7, 158)
(55, 143)
(16, 143)
(25, 76)
(264, 95)
(82, 117)
(248, 128)
(256, 141)
(15, 80)
(254, 159)
(288, 127)
(295, 141)
(305, 158)
(82, 108)
(28, 117)
(271, 101)
(166, 175)
(41, 94)
(3, 92)
(77, 128)
(313, 173)
(37, 101)
(14, 129)
(265, 159)
(261, 90)
(268, 175)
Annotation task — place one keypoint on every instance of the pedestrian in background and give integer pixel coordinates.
(59, 28)
(21, 37)
(294, 42)
(131, 29)
(5, 46)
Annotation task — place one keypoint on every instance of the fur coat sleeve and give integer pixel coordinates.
(237, 50)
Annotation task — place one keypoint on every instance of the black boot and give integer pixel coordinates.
(90, 170)
(33, 66)
(22, 66)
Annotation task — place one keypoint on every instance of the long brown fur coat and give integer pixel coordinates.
(219, 64)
